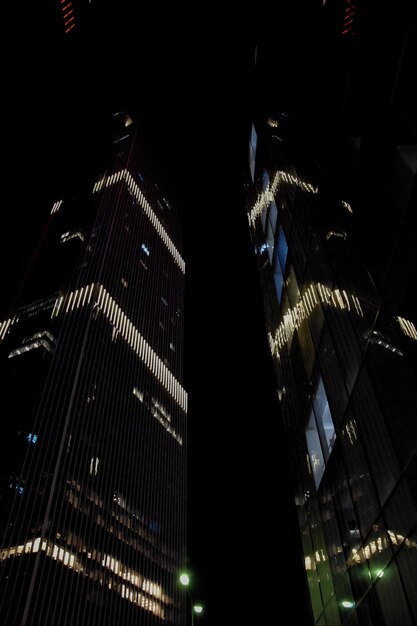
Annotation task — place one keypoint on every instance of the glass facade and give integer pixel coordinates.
(94, 470)
(347, 378)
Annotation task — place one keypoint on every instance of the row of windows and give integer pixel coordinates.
(133, 588)
(139, 196)
(122, 326)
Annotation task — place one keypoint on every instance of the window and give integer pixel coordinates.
(42, 339)
(252, 151)
(94, 463)
(320, 434)
(315, 452)
(324, 419)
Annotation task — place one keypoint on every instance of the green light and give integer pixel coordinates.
(185, 580)
(379, 573)
(198, 608)
(348, 604)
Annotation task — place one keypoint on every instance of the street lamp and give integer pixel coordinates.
(195, 608)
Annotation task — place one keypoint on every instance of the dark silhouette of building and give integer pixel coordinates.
(332, 208)
(93, 462)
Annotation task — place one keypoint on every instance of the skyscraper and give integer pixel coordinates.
(332, 213)
(93, 464)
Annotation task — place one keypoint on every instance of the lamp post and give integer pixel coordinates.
(195, 608)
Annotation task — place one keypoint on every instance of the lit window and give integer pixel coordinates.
(56, 206)
(164, 301)
(43, 339)
(320, 434)
(315, 453)
(172, 347)
(16, 487)
(324, 419)
(145, 249)
(76, 234)
(282, 249)
(124, 282)
(32, 438)
(138, 393)
(94, 463)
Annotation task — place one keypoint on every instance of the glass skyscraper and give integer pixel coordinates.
(93, 463)
(334, 237)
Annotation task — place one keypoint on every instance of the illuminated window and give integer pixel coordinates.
(138, 393)
(282, 249)
(56, 206)
(320, 434)
(43, 339)
(164, 301)
(145, 249)
(252, 151)
(32, 438)
(75, 234)
(94, 463)
(278, 279)
(124, 282)
(16, 487)
(324, 420)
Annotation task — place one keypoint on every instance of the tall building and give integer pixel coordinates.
(332, 214)
(93, 463)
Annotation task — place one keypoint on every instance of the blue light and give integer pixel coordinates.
(145, 249)
(17, 488)
(32, 438)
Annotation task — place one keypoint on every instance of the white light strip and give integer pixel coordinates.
(407, 327)
(4, 327)
(129, 592)
(123, 326)
(347, 206)
(160, 414)
(57, 306)
(267, 196)
(138, 195)
(56, 206)
(294, 317)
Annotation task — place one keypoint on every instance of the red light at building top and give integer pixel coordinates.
(349, 18)
(67, 13)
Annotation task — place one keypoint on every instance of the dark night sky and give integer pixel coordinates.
(186, 78)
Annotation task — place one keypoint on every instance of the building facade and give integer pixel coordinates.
(94, 464)
(338, 281)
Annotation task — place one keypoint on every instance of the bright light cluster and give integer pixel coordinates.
(122, 326)
(72, 235)
(293, 319)
(267, 196)
(4, 327)
(407, 327)
(138, 195)
(56, 206)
